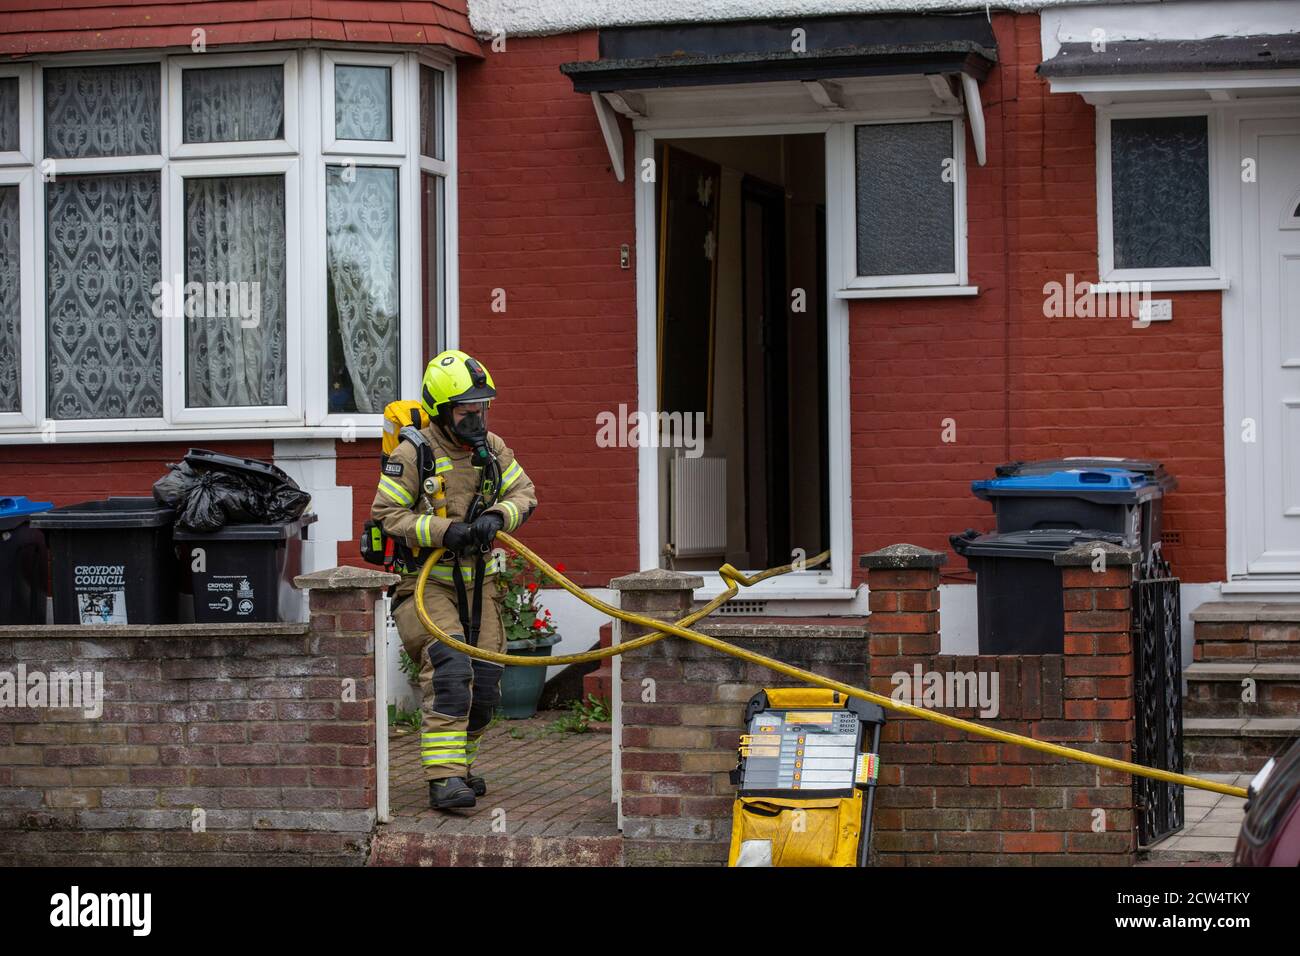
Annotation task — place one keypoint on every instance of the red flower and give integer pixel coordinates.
(532, 587)
(560, 568)
(537, 624)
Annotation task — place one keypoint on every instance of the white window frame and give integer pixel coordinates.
(940, 283)
(1162, 279)
(409, 343)
(306, 414)
(174, 363)
(396, 64)
(286, 145)
(24, 154)
(103, 166)
(445, 169)
(25, 417)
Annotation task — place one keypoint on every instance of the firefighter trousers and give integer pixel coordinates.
(459, 694)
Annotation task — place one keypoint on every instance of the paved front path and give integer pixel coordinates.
(541, 782)
(1209, 833)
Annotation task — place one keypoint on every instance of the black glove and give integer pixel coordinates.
(458, 537)
(485, 529)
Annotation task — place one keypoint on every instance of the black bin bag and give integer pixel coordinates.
(210, 490)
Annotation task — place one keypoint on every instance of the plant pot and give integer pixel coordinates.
(521, 687)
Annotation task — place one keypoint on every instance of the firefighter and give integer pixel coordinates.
(460, 694)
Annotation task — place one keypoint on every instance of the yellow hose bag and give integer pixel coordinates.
(791, 831)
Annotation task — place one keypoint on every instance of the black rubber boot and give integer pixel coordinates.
(477, 784)
(450, 793)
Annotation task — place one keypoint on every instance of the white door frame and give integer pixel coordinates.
(836, 583)
(1241, 385)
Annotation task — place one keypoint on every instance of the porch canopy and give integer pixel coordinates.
(1217, 68)
(785, 70)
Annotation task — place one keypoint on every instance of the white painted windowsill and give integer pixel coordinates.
(908, 292)
(69, 436)
(1158, 285)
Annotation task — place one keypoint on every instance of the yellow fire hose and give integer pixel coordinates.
(735, 579)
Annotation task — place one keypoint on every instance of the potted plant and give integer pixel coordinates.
(530, 632)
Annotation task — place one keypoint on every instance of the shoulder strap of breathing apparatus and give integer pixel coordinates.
(471, 619)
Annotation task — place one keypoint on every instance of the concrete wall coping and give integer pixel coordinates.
(657, 579)
(903, 557)
(346, 578)
(94, 632)
(1085, 552)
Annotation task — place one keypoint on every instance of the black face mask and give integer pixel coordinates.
(472, 429)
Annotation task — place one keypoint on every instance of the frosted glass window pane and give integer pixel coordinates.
(1160, 192)
(904, 204)
(103, 260)
(8, 113)
(102, 111)
(363, 103)
(233, 104)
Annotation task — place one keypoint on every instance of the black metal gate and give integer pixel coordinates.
(1158, 692)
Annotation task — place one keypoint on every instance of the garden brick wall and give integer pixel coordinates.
(945, 797)
(247, 722)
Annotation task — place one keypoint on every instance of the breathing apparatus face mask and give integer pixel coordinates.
(471, 429)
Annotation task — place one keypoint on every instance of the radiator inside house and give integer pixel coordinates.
(699, 499)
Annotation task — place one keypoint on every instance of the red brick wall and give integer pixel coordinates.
(1017, 384)
(254, 726)
(542, 217)
(948, 797)
(69, 473)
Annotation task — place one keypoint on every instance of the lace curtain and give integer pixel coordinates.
(235, 249)
(103, 260)
(10, 300)
(361, 258)
(102, 111)
(362, 103)
(233, 104)
(8, 113)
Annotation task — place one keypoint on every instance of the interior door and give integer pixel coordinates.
(1271, 297)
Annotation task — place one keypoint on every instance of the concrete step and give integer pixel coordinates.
(1234, 744)
(392, 847)
(1217, 688)
(1246, 630)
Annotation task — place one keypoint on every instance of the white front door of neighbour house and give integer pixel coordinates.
(1270, 273)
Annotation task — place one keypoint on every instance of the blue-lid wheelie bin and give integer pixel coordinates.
(1122, 495)
(1042, 508)
(24, 562)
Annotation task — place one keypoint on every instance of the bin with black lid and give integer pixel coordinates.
(1120, 495)
(112, 561)
(1018, 586)
(24, 562)
(245, 572)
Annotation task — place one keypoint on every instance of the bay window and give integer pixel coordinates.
(245, 241)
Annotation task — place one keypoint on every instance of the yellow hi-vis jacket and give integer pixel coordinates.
(406, 511)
